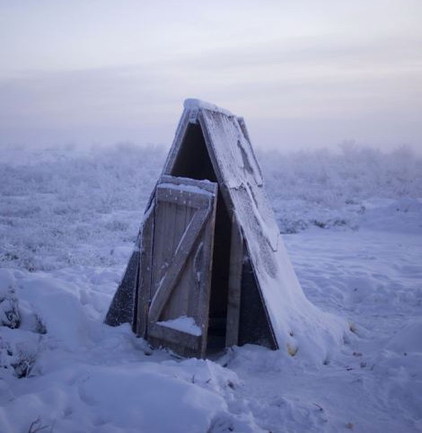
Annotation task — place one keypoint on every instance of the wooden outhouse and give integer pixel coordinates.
(209, 269)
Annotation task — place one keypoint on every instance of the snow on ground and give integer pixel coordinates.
(68, 219)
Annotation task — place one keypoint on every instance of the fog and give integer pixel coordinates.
(304, 75)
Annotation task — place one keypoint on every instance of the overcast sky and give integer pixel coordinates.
(303, 73)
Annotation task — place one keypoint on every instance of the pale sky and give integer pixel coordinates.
(303, 73)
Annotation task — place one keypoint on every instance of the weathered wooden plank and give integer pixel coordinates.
(170, 227)
(195, 271)
(195, 199)
(203, 270)
(143, 289)
(183, 250)
(166, 239)
(178, 140)
(235, 278)
(178, 301)
(257, 169)
(220, 176)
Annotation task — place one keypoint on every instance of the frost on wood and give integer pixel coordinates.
(296, 322)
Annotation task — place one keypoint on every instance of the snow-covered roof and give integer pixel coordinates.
(198, 104)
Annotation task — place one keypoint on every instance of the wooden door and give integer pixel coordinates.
(181, 245)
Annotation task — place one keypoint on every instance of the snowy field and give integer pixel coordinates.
(68, 219)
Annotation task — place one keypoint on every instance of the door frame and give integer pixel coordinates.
(198, 239)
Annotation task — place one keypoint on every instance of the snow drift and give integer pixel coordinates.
(68, 219)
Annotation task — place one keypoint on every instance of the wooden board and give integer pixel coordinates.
(235, 280)
(143, 292)
(179, 278)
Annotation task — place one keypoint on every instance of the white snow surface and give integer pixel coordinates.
(198, 104)
(68, 221)
(183, 323)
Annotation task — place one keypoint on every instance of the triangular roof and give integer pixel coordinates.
(296, 324)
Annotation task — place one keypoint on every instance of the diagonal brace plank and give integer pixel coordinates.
(183, 250)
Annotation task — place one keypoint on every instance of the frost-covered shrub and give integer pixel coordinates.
(328, 189)
(60, 200)
(334, 178)
(9, 310)
(63, 207)
(19, 358)
(21, 329)
(24, 363)
(20, 348)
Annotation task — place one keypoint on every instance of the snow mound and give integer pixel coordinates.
(77, 374)
(401, 361)
(183, 323)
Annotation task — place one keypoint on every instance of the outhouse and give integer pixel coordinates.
(209, 269)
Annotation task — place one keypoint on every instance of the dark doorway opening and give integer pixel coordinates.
(193, 161)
